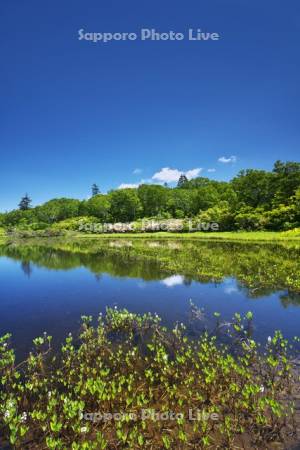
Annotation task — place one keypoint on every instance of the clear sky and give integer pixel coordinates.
(74, 112)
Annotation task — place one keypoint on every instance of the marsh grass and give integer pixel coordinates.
(265, 236)
(242, 236)
(128, 363)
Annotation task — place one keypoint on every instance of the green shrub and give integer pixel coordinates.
(75, 223)
(220, 214)
(29, 233)
(282, 218)
(250, 219)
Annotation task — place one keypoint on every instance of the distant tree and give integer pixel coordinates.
(153, 198)
(297, 199)
(286, 181)
(278, 167)
(198, 182)
(182, 202)
(125, 205)
(58, 209)
(25, 203)
(254, 187)
(95, 190)
(96, 206)
(253, 199)
(165, 184)
(206, 197)
(182, 180)
(287, 167)
(16, 216)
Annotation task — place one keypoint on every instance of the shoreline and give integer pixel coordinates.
(262, 236)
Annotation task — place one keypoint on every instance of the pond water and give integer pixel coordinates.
(48, 286)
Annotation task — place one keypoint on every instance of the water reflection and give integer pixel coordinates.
(48, 285)
(26, 268)
(173, 280)
(260, 269)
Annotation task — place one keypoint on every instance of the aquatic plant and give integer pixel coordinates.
(128, 382)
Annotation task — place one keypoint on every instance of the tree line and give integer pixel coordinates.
(253, 200)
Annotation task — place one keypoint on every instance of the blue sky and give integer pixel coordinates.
(77, 112)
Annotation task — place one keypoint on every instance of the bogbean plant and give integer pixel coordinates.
(128, 364)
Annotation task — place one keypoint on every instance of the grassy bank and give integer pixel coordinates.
(225, 235)
(2, 234)
(253, 236)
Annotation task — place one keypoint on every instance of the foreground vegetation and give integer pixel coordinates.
(213, 395)
(253, 200)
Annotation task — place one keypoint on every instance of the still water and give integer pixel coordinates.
(48, 288)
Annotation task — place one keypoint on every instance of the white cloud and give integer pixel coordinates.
(230, 159)
(128, 186)
(174, 280)
(211, 170)
(230, 290)
(230, 286)
(137, 171)
(167, 175)
(193, 173)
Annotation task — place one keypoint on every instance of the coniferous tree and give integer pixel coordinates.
(25, 203)
(182, 180)
(95, 190)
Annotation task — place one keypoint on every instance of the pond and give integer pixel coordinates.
(46, 285)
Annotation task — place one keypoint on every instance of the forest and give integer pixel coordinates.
(253, 200)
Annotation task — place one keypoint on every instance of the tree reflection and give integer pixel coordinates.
(26, 268)
(259, 269)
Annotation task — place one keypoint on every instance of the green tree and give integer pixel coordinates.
(207, 197)
(25, 203)
(153, 199)
(97, 206)
(198, 182)
(286, 181)
(225, 192)
(17, 216)
(297, 199)
(257, 199)
(58, 209)
(254, 187)
(125, 205)
(182, 202)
